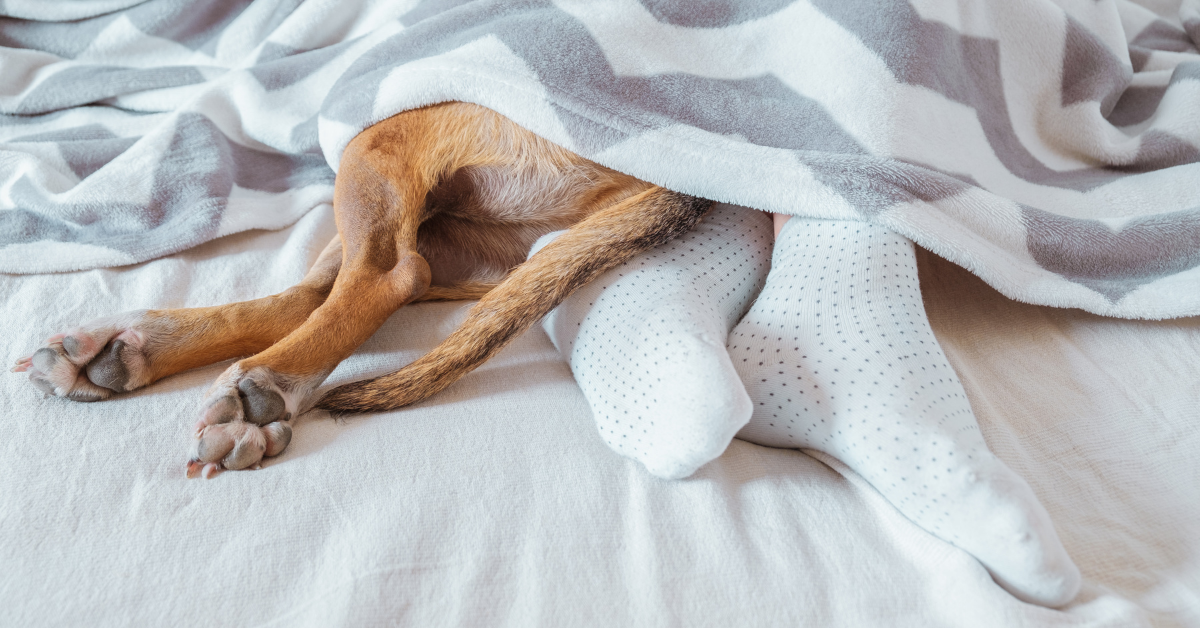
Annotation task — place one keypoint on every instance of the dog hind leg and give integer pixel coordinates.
(128, 351)
(379, 204)
(599, 242)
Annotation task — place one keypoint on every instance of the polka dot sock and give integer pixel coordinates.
(837, 355)
(646, 342)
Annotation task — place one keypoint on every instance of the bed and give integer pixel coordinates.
(496, 503)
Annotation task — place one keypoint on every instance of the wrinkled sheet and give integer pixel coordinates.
(496, 503)
(1052, 148)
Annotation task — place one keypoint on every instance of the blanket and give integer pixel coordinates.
(1051, 148)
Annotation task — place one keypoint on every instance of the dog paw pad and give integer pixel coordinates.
(245, 420)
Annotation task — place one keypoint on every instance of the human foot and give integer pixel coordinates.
(837, 355)
(646, 342)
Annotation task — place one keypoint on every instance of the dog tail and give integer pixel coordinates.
(465, 291)
(601, 241)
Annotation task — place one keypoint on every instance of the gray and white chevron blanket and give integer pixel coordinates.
(1051, 147)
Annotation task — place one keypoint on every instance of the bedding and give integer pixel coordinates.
(496, 503)
(1049, 147)
(150, 128)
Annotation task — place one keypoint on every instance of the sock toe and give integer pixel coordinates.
(837, 355)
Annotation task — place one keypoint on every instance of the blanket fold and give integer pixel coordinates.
(1049, 148)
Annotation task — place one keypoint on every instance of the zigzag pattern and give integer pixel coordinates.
(1052, 150)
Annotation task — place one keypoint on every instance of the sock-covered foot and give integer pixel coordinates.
(837, 355)
(646, 342)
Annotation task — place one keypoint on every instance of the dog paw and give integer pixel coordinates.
(246, 417)
(237, 445)
(91, 362)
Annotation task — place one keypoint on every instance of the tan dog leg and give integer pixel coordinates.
(605, 239)
(478, 187)
(379, 202)
(127, 351)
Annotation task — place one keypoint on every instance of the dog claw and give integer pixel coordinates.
(203, 469)
(193, 467)
(211, 470)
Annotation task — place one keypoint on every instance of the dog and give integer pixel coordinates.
(437, 203)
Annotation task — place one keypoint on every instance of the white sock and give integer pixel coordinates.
(646, 342)
(837, 355)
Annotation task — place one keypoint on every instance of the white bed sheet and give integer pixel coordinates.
(496, 504)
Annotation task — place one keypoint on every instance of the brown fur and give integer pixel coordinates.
(436, 203)
(600, 242)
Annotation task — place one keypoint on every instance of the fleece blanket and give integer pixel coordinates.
(1050, 147)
